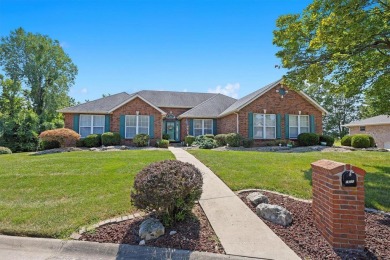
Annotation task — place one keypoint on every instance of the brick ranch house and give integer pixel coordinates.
(270, 113)
(377, 126)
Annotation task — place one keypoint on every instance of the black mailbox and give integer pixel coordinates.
(348, 179)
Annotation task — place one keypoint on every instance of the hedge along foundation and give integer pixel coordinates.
(338, 203)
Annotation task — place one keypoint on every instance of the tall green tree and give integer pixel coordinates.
(343, 45)
(42, 65)
(342, 110)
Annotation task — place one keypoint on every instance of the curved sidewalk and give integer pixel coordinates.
(240, 231)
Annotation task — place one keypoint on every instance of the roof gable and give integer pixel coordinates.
(210, 108)
(244, 101)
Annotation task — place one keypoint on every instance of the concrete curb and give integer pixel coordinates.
(44, 248)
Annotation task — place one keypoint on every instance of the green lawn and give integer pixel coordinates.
(290, 173)
(53, 195)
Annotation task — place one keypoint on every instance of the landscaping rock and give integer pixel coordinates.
(151, 229)
(172, 232)
(256, 198)
(123, 147)
(94, 149)
(274, 213)
(142, 242)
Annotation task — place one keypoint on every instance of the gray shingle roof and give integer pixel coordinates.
(101, 105)
(247, 99)
(174, 99)
(376, 120)
(210, 108)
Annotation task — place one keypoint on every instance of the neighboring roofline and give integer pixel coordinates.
(137, 96)
(250, 100)
(180, 116)
(362, 124)
(313, 102)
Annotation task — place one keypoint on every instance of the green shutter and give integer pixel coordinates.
(107, 127)
(215, 127)
(250, 125)
(286, 126)
(278, 126)
(312, 124)
(122, 122)
(151, 126)
(76, 120)
(191, 127)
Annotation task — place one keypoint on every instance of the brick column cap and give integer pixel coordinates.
(331, 167)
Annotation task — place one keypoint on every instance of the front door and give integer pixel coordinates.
(171, 130)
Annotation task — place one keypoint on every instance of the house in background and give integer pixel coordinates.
(270, 113)
(377, 126)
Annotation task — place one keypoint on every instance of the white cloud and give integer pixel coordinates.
(84, 91)
(228, 90)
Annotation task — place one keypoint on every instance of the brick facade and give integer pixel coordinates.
(338, 211)
(130, 108)
(273, 103)
(381, 134)
(270, 101)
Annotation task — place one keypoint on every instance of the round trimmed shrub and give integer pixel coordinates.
(233, 139)
(211, 136)
(166, 136)
(346, 140)
(220, 139)
(329, 140)
(169, 187)
(93, 140)
(189, 139)
(308, 139)
(80, 143)
(360, 141)
(204, 142)
(64, 136)
(47, 145)
(247, 142)
(110, 138)
(141, 140)
(162, 143)
(5, 150)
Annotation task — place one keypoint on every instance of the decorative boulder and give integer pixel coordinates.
(256, 198)
(274, 213)
(151, 229)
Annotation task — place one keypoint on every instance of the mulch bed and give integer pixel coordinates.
(195, 234)
(304, 238)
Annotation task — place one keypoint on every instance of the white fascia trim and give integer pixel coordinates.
(133, 97)
(313, 102)
(251, 100)
(85, 112)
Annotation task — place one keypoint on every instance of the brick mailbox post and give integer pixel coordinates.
(338, 203)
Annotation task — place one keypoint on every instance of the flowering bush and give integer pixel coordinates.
(64, 136)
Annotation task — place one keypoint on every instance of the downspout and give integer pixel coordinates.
(238, 129)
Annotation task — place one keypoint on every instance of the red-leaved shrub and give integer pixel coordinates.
(66, 137)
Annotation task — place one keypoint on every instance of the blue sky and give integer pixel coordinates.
(197, 46)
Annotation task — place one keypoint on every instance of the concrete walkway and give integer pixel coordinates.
(240, 231)
(21, 248)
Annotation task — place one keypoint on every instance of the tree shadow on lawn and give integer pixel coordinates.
(308, 174)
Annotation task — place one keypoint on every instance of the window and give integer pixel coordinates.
(298, 124)
(91, 124)
(136, 125)
(203, 126)
(362, 128)
(264, 126)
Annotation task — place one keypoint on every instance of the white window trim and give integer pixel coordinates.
(92, 126)
(212, 126)
(299, 125)
(136, 125)
(264, 126)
